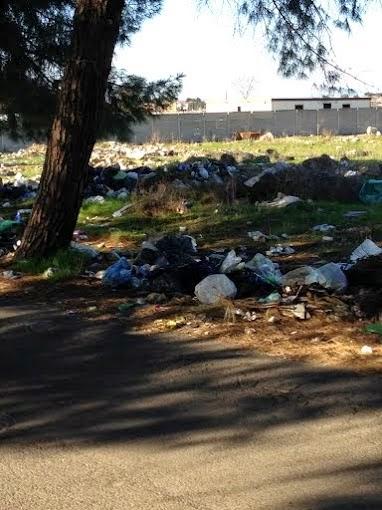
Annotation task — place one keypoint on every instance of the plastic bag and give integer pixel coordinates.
(214, 287)
(231, 263)
(119, 274)
(265, 269)
(371, 192)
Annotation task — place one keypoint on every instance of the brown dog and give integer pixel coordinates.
(247, 135)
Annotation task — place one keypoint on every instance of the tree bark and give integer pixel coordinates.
(73, 135)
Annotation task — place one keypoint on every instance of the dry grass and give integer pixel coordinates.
(162, 200)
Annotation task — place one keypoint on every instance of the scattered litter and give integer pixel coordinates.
(282, 201)
(11, 275)
(79, 235)
(371, 192)
(231, 263)
(366, 350)
(98, 199)
(214, 287)
(155, 298)
(246, 316)
(257, 236)
(8, 226)
(299, 312)
(50, 272)
(274, 297)
(86, 250)
(119, 274)
(126, 307)
(374, 328)
(354, 214)
(120, 212)
(324, 228)
(329, 276)
(367, 249)
(280, 250)
(267, 270)
(22, 215)
(327, 239)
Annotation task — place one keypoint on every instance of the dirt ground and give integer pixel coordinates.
(325, 338)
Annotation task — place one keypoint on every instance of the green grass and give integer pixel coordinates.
(215, 224)
(68, 263)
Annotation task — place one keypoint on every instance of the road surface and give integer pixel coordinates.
(95, 417)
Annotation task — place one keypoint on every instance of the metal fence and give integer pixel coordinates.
(196, 127)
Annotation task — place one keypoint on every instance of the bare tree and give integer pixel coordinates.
(246, 86)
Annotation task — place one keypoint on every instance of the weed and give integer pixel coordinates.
(67, 264)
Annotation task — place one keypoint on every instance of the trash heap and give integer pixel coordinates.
(261, 177)
(171, 265)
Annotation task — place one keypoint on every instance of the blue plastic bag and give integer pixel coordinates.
(119, 274)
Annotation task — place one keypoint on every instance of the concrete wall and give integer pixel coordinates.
(318, 104)
(7, 144)
(197, 127)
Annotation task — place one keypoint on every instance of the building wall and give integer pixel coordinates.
(318, 104)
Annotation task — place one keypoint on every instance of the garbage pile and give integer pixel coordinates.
(253, 175)
(172, 265)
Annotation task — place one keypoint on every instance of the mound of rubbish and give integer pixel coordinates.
(242, 175)
(317, 179)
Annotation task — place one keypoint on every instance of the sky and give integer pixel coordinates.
(206, 46)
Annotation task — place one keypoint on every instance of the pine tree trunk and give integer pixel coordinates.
(74, 130)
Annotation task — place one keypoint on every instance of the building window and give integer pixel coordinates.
(327, 106)
(298, 106)
(346, 105)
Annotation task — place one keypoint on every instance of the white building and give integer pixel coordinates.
(320, 103)
(255, 104)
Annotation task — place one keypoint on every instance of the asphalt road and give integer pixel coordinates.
(95, 417)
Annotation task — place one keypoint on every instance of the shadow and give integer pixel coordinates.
(68, 381)
(66, 378)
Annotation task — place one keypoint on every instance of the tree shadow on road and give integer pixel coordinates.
(67, 380)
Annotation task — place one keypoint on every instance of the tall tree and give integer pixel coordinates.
(73, 135)
(34, 48)
(297, 31)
